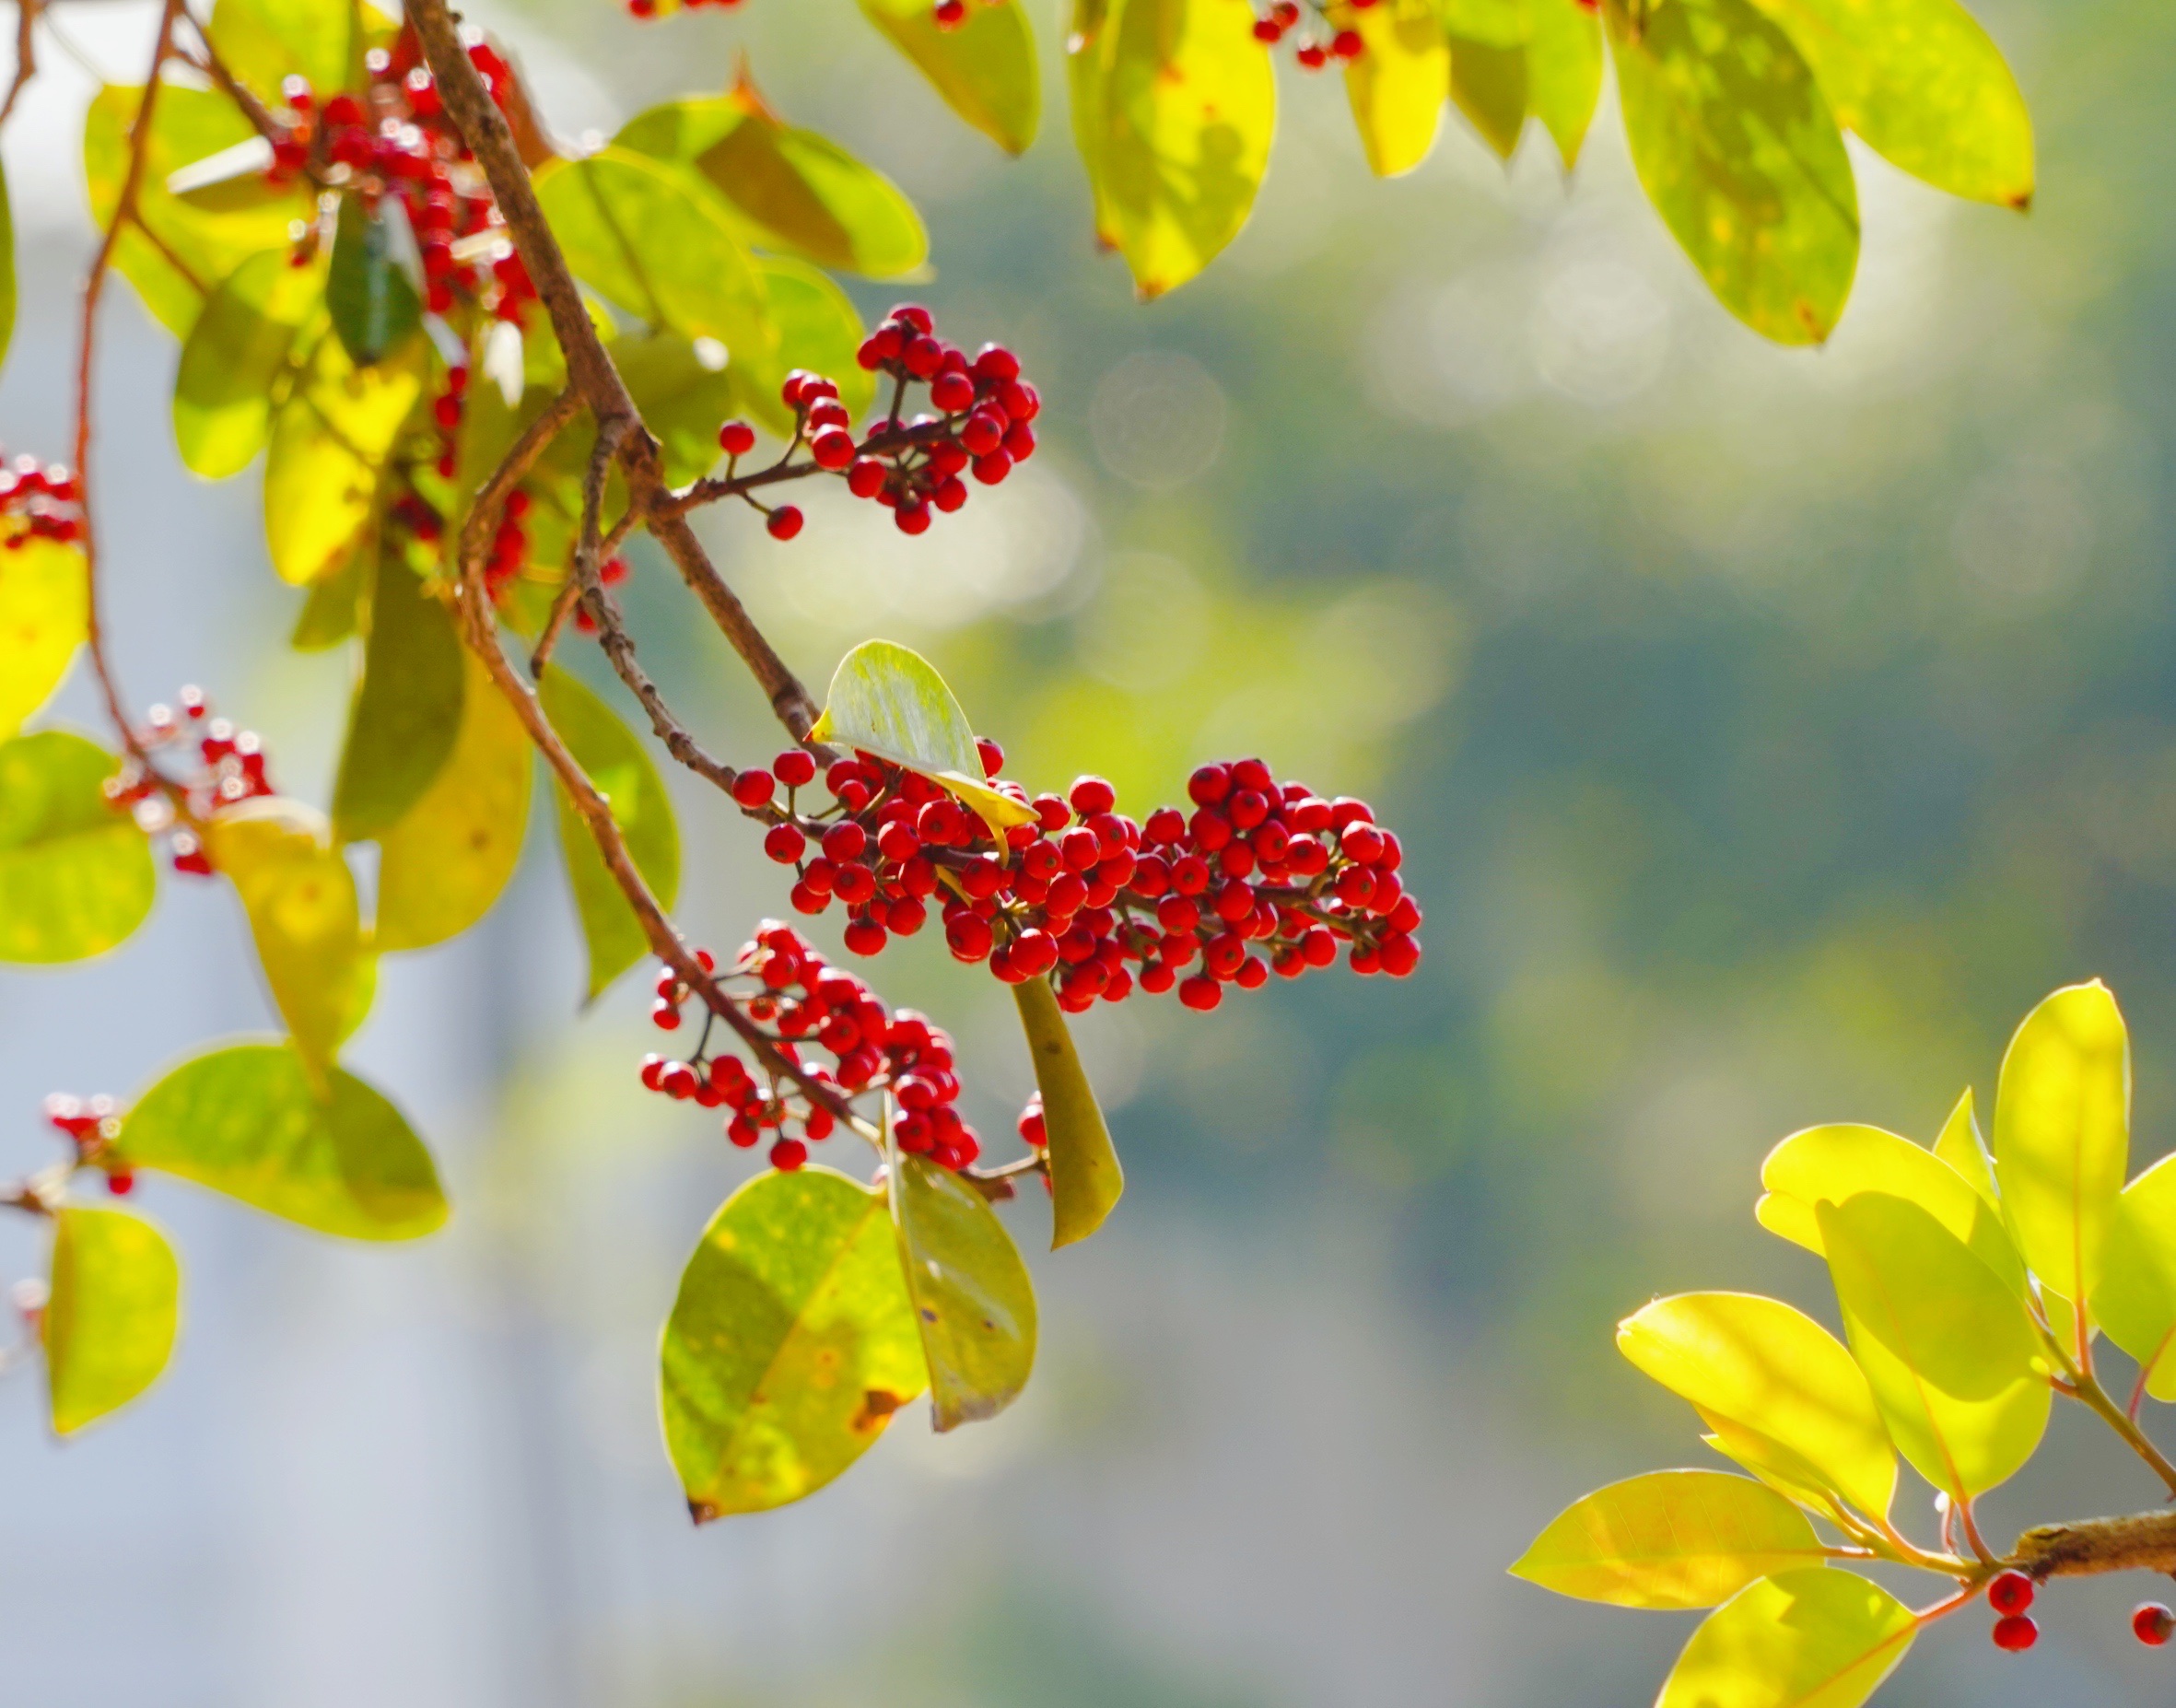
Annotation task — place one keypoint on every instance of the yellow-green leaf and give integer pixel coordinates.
(1741, 157)
(247, 1120)
(1960, 1145)
(1922, 82)
(790, 1344)
(1775, 1371)
(330, 441)
(2135, 1298)
(1085, 1178)
(407, 707)
(1676, 1538)
(76, 875)
(973, 1302)
(2063, 1133)
(1784, 1472)
(1500, 23)
(614, 760)
(300, 899)
(985, 69)
(1563, 72)
(684, 399)
(7, 292)
(1944, 1344)
(109, 1319)
(1397, 85)
(1489, 85)
(1087, 62)
(819, 329)
(234, 358)
(44, 606)
(328, 615)
(264, 41)
(1808, 1639)
(443, 866)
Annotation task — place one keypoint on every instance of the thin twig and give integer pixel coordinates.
(582, 576)
(481, 521)
(619, 649)
(26, 52)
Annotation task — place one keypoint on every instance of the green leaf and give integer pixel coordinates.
(1960, 1145)
(1811, 1639)
(407, 707)
(1085, 1178)
(373, 302)
(234, 358)
(2063, 1133)
(1741, 157)
(888, 700)
(683, 401)
(328, 615)
(614, 761)
(1489, 84)
(790, 1344)
(1179, 138)
(1565, 72)
(6, 268)
(818, 329)
(264, 41)
(1396, 85)
(1500, 23)
(985, 70)
(300, 899)
(1945, 1346)
(44, 611)
(330, 442)
(245, 1120)
(443, 865)
(1678, 1539)
(1775, 1371)
(1087, 80)
(76, 875)
(109, 1321)
(973, 1302)
(1920, 81)
(1832, 1164)
(2135, 1298)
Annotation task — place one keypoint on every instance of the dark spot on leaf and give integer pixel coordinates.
(877, 1404)
(927, 1315)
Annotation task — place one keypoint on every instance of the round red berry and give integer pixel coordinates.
(2016, 1633)
(833, 448)
(912, 518)
(784, 844)
(2152, 1623)
(794, 769)
(2010, 1592)
(992, 469)
(784, 522)
(865, 478)
(736, 438)
(754, 789)
(865, 937)
(788, 1155)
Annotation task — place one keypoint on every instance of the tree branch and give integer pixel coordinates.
(2142, 1542)
(26, 52)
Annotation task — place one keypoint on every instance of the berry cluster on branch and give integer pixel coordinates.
(91, 1125)
(1323, 41)
(229, 767)
(38, 502)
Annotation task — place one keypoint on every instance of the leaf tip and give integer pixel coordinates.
(701, 1512)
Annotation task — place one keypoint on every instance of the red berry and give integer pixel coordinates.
(951, 393)
(2152, 1623)
(1091, 795)
(845, 841)
(833, 448)
(1266, 30)
(785, 521)
(2016, 1633)
(754, 789)
(992, 469)
(1347, 45)
(912, 518)
(784, 844)
(121, 1182)
(865, 478)
(967, 936)
(983, 434)
(1312, 55)
(2010, 1592)
(1032, 1126)
(1200, 992)
(736, 438)
(664, 1015)
(794, 769)
(865, 937)
(912, 315)
(1020, 441)
(950, 493)
(788, 1155)
(653, 1071)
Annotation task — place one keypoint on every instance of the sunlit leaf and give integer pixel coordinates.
(818, 329)
(1960, 1145)
(1787, 1472)
(235, 356)
(44, 605)
(407, 707)
(6, 268)
(1500, 23)
(1741, 157)
(1489, 85)
(1565, 72)
(1775, 1371)
(1085, 1177)
(616, 761)
(110, 1320)
(790, 1344)
(2063, 1133)
(264, 41)
(1920, 81)
(1676, 1538)
(444, 863)
(1810, 1639)
(1087, 64)
(246, 1120)
(1944, 1344)
(973, 1302)
(330, 441)
(683, 401)
(1399, 83)
(76, 875)
(300, 899)
(2135, 1297)
(328, 615)
(985, 69)
(373, 302)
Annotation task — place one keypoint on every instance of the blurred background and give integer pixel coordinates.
(1767, 731)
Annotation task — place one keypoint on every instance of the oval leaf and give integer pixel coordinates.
(985, 70)
(1565, 72)
(1397, 85)
(264, 41)
(1775, 1371)
(1085, 1178)
(819, 329)
(973, 1302)
(1679, 1539)
(76, 875)
(1489, 85)
(1784, 1472)
(1808, 1639)
(1960, 1145)
(109, 1321)
(2135, 1299)
(374, 303)
(245, 1120)
(234, 357)
(790, 1344)
(330, 442)
(407, 707)
(44, 608)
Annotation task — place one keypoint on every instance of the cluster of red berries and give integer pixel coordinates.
(38, 502)
(952, 14)
(230, 768)
(1260, 877)
(1326, 41)
(92, 1124)
(2011, 1593)
(912, 466)
(780, 982)
(649, 8)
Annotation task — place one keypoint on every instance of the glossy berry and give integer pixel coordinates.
(788, 1155)
(795, 769)
(2152, 1623)
(2011, 1592)
(120, 1183)
(2016, 1633)
(784, 522)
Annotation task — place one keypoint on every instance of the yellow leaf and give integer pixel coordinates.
(1811, 1639)
(44, 605)
(1397, 85)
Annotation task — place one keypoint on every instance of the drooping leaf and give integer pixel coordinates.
(1397, 85)
(1944, 1344)
(110, 1320)
(1775, 1371)
(618, 764)
(1920, 81)
(300, 899)
(1563, 72)
(374, 304)
(330, 441)
(973, 1302)
(819, 329)
(1186, 105)
(1085, 1178)
(443, 865)
(407, 707)
(1087, 81)
(1788, 1473)
(44, 607)
(790, 1344)
(76, 875)
(1810, 1639)
(2063, 1133)
(234, 358)
(985, 70)
(1676, 1538)
(1739, 154)
(246, 1120)
(1960, 1145)
(1489, 85)
(2135, 1297)
(265, 41)
(1500, 23)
